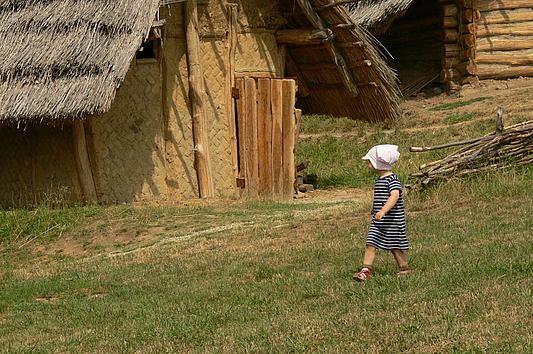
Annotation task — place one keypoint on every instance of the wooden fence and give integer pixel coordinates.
(266, 122)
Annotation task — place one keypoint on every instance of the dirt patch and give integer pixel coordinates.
(333, 195)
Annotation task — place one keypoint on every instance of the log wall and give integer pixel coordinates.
(504, 47)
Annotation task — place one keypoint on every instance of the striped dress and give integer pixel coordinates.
(389, 232)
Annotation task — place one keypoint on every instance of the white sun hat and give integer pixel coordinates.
(383, 157)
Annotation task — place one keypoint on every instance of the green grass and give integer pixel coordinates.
(288, 289)
(458, 118)
(19, 226)
(316, 123)
(448, 106)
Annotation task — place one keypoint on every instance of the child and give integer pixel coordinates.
(387, 229)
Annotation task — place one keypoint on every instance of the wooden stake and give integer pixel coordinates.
(230, 83)
(264, 136)
(83, 164)
(251, 147)
(197, 98)
(241, 128)
(289, 125)
(277, 136)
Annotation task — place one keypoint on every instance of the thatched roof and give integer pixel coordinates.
(379, 94)
(64, 59)
(377, 15)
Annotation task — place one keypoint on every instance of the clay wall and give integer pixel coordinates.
(142, 149)
(38, 167)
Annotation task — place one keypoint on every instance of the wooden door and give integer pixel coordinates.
(266, 136)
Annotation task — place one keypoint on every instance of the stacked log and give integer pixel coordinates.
(507, 147)
(459, 37)
(505, 39)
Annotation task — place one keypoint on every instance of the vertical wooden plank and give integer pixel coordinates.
(230, 83)
(241, 128)
(288, 132)
(277, 136)
(83, 165)
(264, 136)
(251, 148)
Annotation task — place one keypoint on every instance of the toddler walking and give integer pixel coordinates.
(387, 229)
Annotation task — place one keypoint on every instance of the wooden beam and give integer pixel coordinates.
(496, 44)
(231, 43)
(491, 72)
(504, 59)
(197, 100)
(336, 3)
(83, 165)
(303, 36)
(522, 29)
(491, 5)
(329, 66)
(505, 16)
(449, 10)
(319, 23)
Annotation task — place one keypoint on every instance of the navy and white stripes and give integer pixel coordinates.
(389, 232)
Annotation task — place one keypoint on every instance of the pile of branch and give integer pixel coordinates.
(507, 147)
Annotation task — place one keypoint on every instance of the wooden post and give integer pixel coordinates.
(251, 148)
(289, 125)
(335, 53)
(241, 128)
(230, 83)
(83, 164)
(264, 136)
(277, 136)
(197, 97)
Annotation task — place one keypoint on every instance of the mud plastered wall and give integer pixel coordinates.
(127, 141)
(38, 167)
(257, 53)
(257, 50)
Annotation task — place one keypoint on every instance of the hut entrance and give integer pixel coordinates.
(266, 136)
(415, 43)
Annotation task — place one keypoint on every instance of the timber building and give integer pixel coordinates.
(115, 101)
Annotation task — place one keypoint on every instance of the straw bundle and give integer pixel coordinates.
(377, 16)
(64, 59)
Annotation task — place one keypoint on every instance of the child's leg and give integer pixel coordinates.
(368, 259)
(370, 254)
(400, 257)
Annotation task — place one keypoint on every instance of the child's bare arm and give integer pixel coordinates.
(394, 196)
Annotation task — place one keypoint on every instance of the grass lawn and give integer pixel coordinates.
(276, 277)
(285, 286)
